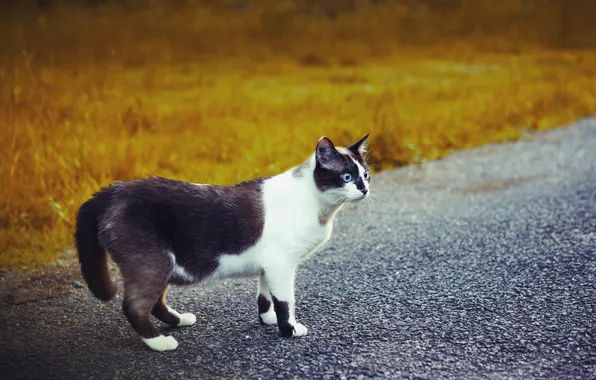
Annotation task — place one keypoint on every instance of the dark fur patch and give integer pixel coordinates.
(151, 217)
(138, 317)
(283, 316)
(145, 277)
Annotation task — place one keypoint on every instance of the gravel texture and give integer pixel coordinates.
(481, 265)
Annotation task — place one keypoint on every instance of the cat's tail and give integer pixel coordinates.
(93, 258)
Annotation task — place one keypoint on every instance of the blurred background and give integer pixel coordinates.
(94, 91)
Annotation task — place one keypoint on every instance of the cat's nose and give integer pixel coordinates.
(364, 191)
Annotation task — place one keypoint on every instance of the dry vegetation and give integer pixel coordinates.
(217, 94)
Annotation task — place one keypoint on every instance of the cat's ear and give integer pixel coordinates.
(359, 146)
(325, 151)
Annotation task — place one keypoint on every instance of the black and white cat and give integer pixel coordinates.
(161, 231)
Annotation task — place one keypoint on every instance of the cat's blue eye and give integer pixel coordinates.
(347, 177)
(366, 175)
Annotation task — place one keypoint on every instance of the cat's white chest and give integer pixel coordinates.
(292, 218)
(324, 234)
(297, 226)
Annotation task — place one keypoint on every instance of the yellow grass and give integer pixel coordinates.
(213, 96)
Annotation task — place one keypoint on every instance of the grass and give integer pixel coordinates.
(151, 93)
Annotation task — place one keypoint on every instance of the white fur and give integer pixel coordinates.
(269, 318)
(186, 319)
(300, 329)
(161, 343)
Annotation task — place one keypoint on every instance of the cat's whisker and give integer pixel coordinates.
(374, 197)
(343, 205)
(367, 203)
(371, 202)
(376, 200)
(369, 153)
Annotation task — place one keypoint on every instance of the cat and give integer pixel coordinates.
(163, 232)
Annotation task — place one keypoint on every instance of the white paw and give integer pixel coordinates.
(300, 329)
(187, 319)
(269, 318)
(161, 343)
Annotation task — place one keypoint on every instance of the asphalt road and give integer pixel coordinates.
(482, 265)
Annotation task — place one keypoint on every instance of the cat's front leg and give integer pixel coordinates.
(265, 303)
(280, 282)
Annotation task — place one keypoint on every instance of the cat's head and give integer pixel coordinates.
(342, 174)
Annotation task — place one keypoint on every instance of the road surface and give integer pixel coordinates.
(481, 265)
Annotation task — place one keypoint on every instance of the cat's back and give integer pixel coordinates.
(158, 189)
(177, 193)
(174, 203)
(188, 217)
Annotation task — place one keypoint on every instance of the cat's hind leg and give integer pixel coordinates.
(166, 314)
(265, 308)
(143, 287)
